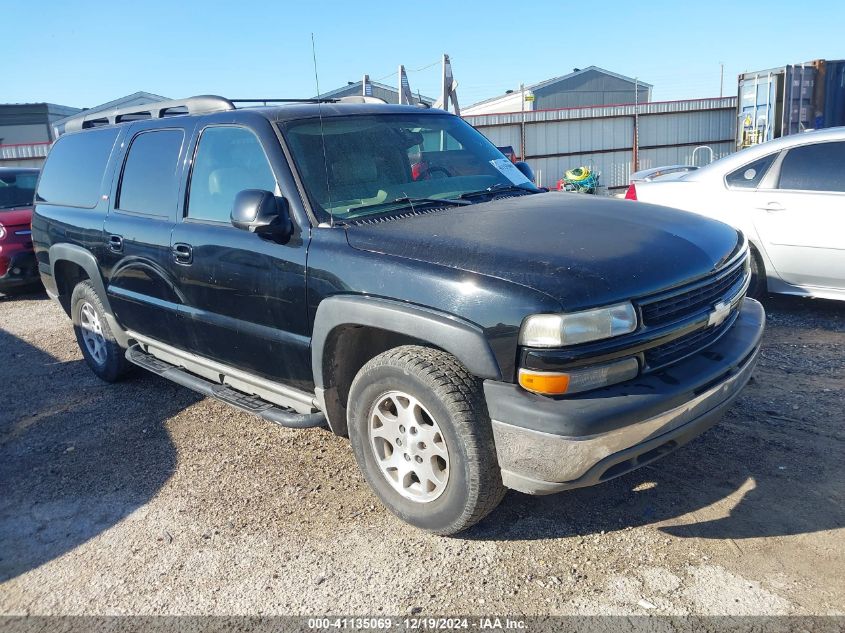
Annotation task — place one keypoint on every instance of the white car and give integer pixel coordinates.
(787, 196)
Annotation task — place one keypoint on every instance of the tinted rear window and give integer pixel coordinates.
(149, 184)
(74, 169)
(816, 167)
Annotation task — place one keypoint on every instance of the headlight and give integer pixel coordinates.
(2, 232)
(557, 330)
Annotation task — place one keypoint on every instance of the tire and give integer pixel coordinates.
(443, 406)
(100, 349)
(758, 287)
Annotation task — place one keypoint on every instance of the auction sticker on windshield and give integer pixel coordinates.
(509, 171)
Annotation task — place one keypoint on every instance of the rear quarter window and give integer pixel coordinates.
(74, 169)
(749, 176)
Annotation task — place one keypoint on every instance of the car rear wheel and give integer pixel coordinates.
(757, 289)
(422, 437)
(100, 349)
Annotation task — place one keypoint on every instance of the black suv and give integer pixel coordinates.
(387, 271)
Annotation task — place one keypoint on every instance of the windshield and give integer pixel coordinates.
(377, 164)
(17, 188)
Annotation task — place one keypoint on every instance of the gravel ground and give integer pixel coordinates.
(144, 498)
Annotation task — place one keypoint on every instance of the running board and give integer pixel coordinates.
(238, 399)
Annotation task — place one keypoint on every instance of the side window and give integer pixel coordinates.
(228, 160)
(750, 175)
(816, 167)
(149, 182)
(74, 169)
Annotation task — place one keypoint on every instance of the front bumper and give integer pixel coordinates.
(21, 270)
(545, 445)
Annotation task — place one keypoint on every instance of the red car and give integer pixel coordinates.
(17, 259)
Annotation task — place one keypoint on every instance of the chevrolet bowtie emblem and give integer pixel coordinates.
(720, 312)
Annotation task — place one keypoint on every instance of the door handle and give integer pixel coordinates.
(183, 254)
(116, 243)
(773, 206)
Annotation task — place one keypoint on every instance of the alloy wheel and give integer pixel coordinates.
(409, 447)
(92, 333)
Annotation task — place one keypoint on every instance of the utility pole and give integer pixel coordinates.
(522, 127)
(721, 79)
(636, 152)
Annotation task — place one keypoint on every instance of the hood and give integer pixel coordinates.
(582, 250)
(19, 216)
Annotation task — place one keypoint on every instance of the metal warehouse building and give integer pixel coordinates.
(615, 140)
(587, 87)
(26, 132)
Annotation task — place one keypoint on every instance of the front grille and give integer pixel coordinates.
(693, 298)
(689, 344)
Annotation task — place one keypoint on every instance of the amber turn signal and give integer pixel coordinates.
(543, 382)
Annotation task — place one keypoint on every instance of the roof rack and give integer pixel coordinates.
(203, 104)
(266, 101)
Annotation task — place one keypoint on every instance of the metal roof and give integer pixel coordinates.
(554, 80)
(135, 98)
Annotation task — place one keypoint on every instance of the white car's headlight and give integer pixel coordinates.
(558, 330)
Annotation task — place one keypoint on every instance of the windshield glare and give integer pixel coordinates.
(371, 161)
(17, 189)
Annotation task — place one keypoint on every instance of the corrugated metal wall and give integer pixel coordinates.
(603, 136)
(591, 87)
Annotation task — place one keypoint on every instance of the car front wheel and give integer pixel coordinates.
(422, 437)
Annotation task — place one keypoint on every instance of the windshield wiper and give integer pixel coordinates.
(405, 201)
(498, 187)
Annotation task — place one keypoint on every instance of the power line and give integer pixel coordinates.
(410, 70)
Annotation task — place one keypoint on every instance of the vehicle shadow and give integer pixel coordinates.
(772, 467)
(35, 292)
(67, 471)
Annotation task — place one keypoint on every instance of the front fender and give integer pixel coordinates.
(464, 340)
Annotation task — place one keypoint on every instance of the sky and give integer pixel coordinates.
(83, 52)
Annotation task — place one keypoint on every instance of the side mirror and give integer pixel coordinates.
(526, 170)
(261, 212)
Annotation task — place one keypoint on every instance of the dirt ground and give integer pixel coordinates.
(144, 498)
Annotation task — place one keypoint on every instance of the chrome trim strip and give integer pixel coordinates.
(283, 395)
